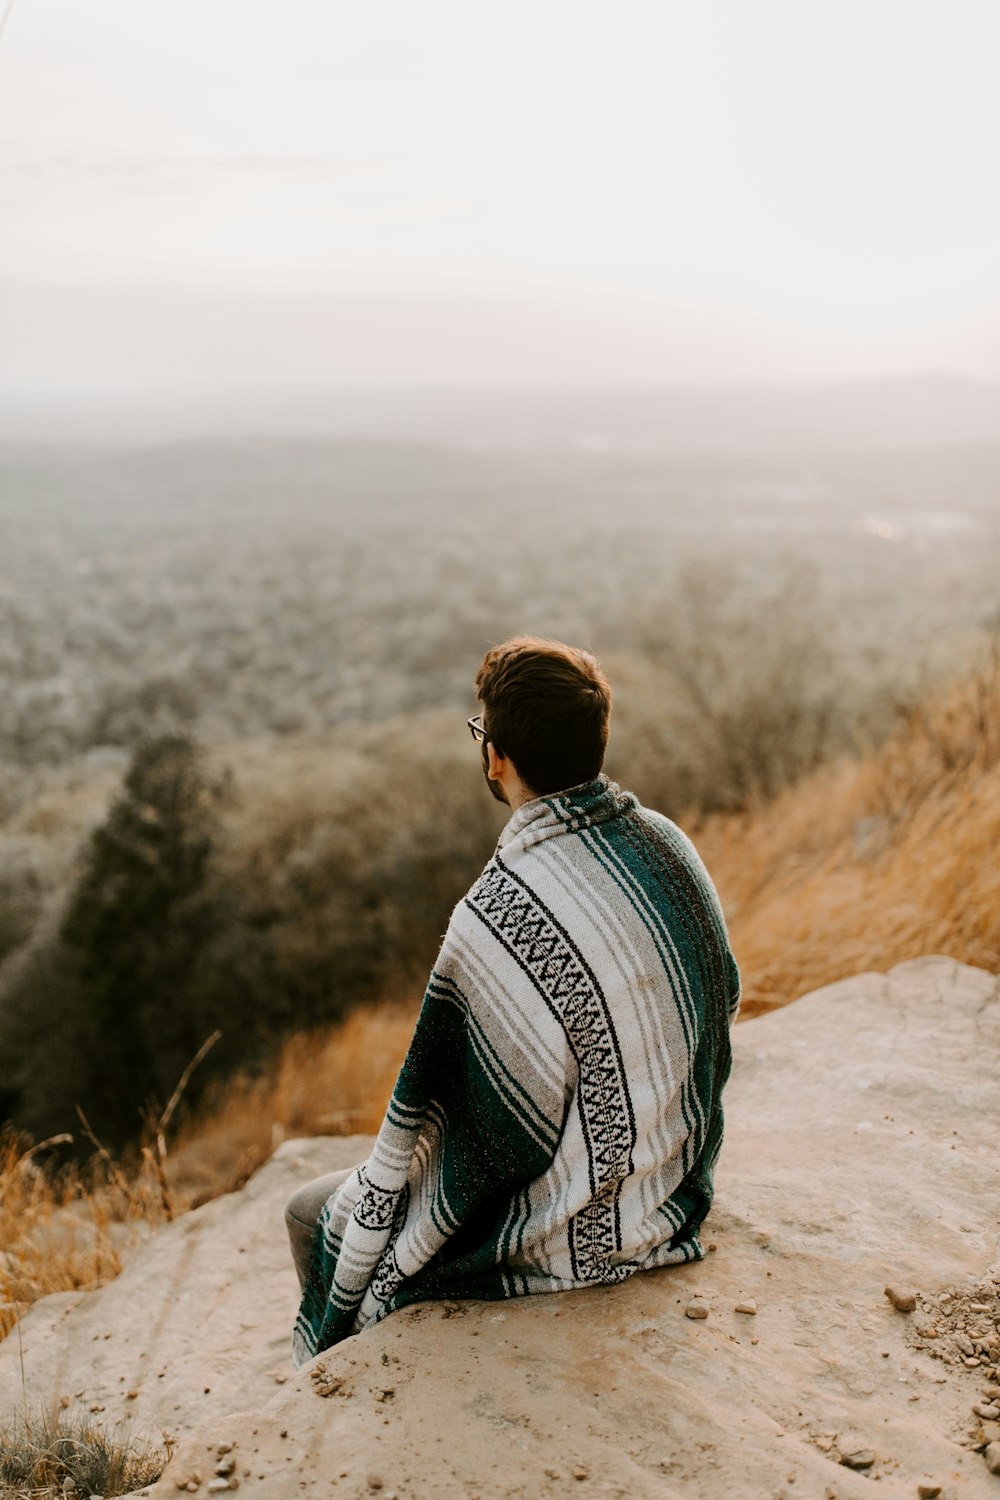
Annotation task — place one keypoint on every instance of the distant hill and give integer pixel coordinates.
(912, 412)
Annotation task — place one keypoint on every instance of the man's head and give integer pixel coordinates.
(546, 708)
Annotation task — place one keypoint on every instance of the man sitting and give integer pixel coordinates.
(558, 1116)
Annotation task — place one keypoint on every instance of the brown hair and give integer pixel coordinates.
(546, 707)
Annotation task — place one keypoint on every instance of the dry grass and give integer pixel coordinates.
(335, 1081)
(73, 1229)
(44, 1454)
(872, 862)
(67, 1230)
(861, 866)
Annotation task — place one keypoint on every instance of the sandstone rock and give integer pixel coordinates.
(209, 1303)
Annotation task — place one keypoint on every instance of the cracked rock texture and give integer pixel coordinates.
(861, 1151)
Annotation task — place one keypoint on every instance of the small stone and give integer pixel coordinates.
(992, 1457)
(863, 1458)
(216, 1486)
(374, 1481)
(928, 1491)
(579, 1472)
(902, 1298)
(749, 1307)
(222, 1448)
(132, 1395)
(964, 1345)
(696, 1308)
(971, 1364)
(191, 1485)
(225, 1466)
(987, 1410)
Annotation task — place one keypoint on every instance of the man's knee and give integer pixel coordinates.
(297, 1210)
(304, 1207)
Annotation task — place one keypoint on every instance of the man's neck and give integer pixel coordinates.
(518, 794)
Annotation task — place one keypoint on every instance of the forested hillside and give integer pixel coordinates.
(236, 788)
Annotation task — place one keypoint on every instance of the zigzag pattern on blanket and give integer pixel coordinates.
(558, 1115)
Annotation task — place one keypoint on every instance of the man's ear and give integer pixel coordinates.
(494, 761)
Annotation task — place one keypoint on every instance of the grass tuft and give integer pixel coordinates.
(44, 1453)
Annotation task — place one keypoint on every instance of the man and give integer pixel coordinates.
(558, 1116)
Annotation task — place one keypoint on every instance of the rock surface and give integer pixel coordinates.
(861, 1151)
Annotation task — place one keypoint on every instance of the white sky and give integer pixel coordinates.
(219, 192)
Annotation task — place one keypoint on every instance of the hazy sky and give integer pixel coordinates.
(221, 193)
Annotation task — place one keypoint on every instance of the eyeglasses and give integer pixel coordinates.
(476, 728)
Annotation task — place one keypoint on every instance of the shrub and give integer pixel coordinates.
(739, 688)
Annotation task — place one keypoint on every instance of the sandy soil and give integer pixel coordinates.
(861, 1152)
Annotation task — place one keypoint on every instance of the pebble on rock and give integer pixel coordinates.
(749, 1307)
(992, 1457)
(986, 1410)
(696, 1309)
(862, 1459)
(902, 1298)
(928, 1491)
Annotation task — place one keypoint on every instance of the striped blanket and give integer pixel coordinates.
(558, 1115)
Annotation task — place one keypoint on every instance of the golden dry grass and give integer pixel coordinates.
(74, 1230)
(872, 862)
(68, 1231)
(335, 1081)
(863, 865)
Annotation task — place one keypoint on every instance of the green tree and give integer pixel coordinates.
(136, 925)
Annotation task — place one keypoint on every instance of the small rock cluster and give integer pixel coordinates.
(222, 1478)
(962, 1327)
